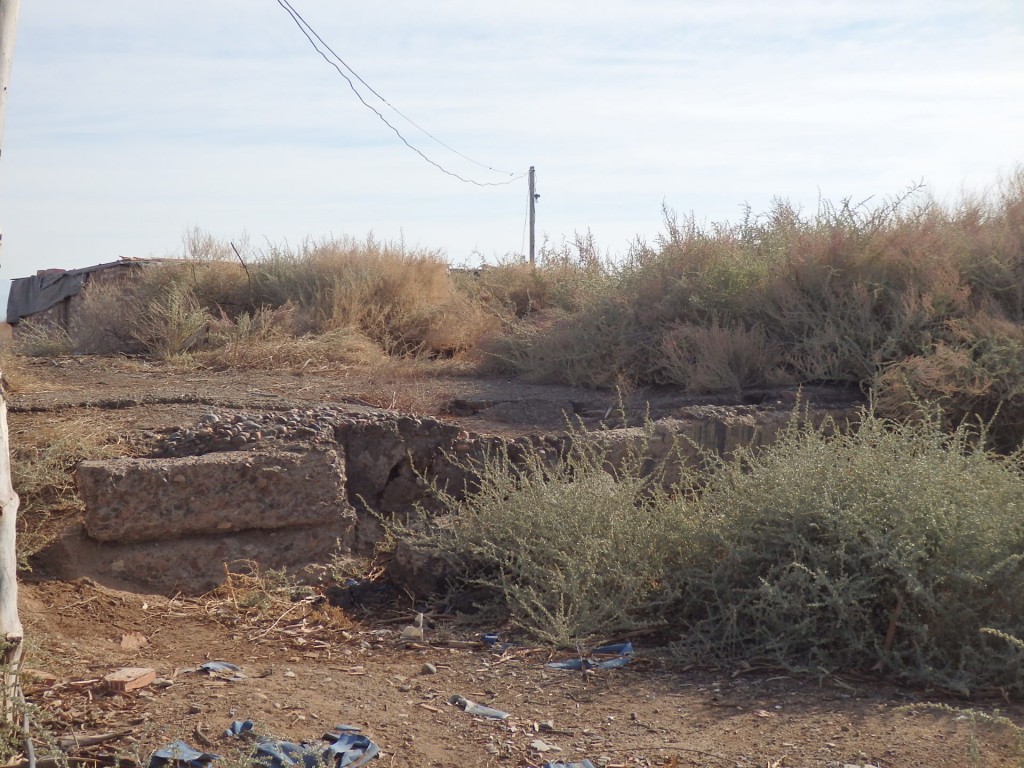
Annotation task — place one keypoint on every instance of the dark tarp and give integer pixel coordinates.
(38, 293)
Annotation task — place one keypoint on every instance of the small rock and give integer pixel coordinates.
(428, 669)
(539, 745)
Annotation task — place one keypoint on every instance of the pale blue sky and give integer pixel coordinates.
(129, 122)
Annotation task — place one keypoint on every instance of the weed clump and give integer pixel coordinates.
(885, 549)
(42, 470)
(567, 547)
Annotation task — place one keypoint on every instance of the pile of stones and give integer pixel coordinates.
(240, 431)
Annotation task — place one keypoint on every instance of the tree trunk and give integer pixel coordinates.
(10, 624)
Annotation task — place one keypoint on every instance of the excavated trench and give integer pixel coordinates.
(285, 489)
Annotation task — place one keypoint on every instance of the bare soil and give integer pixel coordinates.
(309, 666)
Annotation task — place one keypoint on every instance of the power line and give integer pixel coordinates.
(371, 89)
(310, 34)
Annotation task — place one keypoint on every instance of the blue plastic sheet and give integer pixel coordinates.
(347, 749)
(240, 728)
(622, 654)
(580, 764)
(178, 754)
(352, 749)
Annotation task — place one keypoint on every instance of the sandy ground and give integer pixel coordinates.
(309, 666)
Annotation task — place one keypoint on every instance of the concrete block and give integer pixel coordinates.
(137, 500)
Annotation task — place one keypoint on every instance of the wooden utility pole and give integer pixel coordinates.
(533, 215)
(11, 633)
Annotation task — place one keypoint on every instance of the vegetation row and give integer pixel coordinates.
(896, 547)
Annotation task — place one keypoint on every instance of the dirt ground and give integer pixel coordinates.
(308, 666)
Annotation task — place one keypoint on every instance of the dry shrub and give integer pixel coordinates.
(404, 301)
(233, 348)
(837, 296)
(15, 376)
(153, 313)
(42, 339)
(717, 358)
(273, 606)
(597, 348)
(975, 374)
(221, 287)
(567, 278)
(42, 468)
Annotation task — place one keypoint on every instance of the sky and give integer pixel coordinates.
(130, 123)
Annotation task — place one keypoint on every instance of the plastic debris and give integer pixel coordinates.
(491, 641)
(580, 764)
(359, 594)
(415, 630)
(240, 728)
(348, 749)
(222, 669)
(622, 653)
(477, 709)
(178, 754)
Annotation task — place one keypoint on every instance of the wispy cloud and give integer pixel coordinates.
(129, 122)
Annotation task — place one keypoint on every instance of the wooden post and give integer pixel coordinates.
(533, 215)
(11, 633)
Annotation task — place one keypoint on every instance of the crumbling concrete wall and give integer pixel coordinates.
(286, 489)
(135, 500)
(172, 524)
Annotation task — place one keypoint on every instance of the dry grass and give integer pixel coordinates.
(920, 301)
(42, 468)
(17, 377)
(906, 296)
(274, 606)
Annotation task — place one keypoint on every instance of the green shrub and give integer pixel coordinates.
(567, 548)
(886, 548)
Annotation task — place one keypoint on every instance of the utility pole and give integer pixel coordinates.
(11, 632)
(533, 215)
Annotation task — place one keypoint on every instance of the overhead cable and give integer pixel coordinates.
(311, 35)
